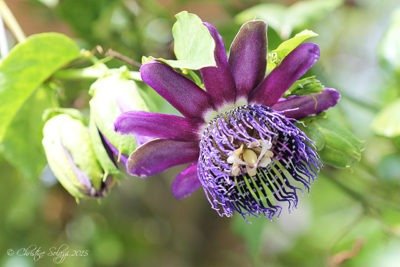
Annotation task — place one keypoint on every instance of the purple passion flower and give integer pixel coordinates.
(239, 134)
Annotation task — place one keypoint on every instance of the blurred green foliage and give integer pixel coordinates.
(350, 218)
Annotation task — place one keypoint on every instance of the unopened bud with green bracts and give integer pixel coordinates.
(71, 157)
(111, 96)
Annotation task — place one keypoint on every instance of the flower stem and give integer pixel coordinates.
(11, 22)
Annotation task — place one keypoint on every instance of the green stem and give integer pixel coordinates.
(91, 73)
(11, 22)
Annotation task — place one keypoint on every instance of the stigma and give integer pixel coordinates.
(248, 157)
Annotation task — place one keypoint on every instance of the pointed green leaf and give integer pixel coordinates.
(27, 66)
(387, 122)
(287, 46)
(276, 56)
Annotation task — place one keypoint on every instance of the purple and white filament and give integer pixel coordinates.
(293, 165)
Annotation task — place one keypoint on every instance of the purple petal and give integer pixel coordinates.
(157, 125)
(219, 80)
(181, 92)
(293, 66)
(159, 155)
(186, 182)
(247, 57)
(298, 107)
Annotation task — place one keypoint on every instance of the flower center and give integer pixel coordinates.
(253, 160)
(251, 156)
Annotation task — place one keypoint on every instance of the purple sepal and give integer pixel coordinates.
(218, 80)
(159, 155)
(298, 107)
(247, 57)
(293, 66)
(186, 182)
(182, 93)
(157, 125)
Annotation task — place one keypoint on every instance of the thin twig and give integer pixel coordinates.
(117, 55)
(341, 257)
(11, 22)
(3, 40)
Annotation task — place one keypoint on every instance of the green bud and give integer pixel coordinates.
(71, 157)
(336, 145)
(305, 86)
(111, 96)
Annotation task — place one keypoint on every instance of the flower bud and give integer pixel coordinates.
(71, 157)
(111, 96)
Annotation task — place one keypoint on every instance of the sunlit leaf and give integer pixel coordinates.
(387, 122)
(193, 44)
(276, 56)
(27, 66)
(287, 46)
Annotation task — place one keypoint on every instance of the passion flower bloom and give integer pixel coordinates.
(239, 134)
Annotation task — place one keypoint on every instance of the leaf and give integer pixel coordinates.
(285, 20)
(336, 145)
(305, 86)
(389, 51)
(276, 56)
(387, 122)
(193, 44)
(287, 46)
(21, 144)
(27, 66)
